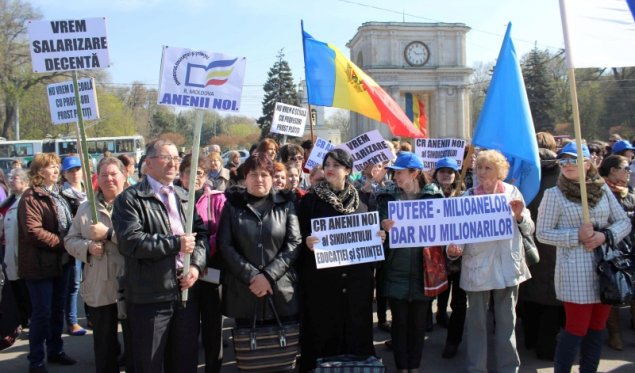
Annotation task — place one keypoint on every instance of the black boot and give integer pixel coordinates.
(566, 351)
(590, 351)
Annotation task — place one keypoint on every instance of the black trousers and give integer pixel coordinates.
(541, 325)
(21, 295)
(408, 331)
(209, 296)
(165, 336)
(105, 344)
(459, 308)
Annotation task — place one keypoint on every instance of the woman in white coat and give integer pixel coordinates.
(576, 281)
(96, 246)
(493, 270)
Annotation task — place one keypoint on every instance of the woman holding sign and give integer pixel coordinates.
(338, 301)
(403, 269)
(494, 269)
(577, 284)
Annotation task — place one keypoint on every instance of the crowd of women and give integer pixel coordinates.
(257, 216)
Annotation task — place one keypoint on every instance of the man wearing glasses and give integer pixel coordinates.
(149, 220)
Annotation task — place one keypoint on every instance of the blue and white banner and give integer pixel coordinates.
(318, 152)
(199, 79)
(435, 222)
(347, 239)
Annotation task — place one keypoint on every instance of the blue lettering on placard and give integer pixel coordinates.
(427, 233)
(452, 232)
(402, 235)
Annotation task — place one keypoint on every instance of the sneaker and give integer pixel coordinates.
(76, 330)
(62, 359)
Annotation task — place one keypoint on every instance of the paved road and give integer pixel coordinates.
(81, 348)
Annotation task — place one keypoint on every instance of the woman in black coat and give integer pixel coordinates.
(257, 239)
(337, 313)
(541, 313)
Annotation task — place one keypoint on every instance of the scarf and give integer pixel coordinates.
(499, 188)
(344, 202)
(100, 198)
(571, 189)
(64, 217)
(619, 189)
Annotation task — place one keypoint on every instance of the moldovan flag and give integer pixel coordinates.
(416, 112)
(505, 122)
(333, 80)
(598, 33)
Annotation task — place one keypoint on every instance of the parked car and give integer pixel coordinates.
(244, 154)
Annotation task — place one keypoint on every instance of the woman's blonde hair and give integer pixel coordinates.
(496, 158)
(40, 161)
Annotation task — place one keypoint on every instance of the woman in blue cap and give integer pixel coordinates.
(576, 281)
(446, 176)
(403, 268)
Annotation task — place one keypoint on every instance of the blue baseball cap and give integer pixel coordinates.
(572, 149)
(70, 162)
(447, 162)
(621, 146)
(406, 160)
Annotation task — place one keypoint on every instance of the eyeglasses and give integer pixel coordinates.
(168, 158)
(627, 168)
(568, 161)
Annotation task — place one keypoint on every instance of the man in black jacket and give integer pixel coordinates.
(149, 222)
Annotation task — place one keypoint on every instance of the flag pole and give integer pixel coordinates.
(306, 83)
(575, 112)
(578, 142)
(466, 164)
(191, 202)
(311, 123)
(90, 193)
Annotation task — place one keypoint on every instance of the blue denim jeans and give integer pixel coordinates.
(73, 273)
(47, 320)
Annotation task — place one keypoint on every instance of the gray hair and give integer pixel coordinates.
(153, 148)
(20, 173)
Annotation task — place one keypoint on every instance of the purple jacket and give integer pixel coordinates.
(209, 206)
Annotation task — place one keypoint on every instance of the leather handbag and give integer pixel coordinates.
(349, 364)
(531, 251)
(267, 348)
(615, 270)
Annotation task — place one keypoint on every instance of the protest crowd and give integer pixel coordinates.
(259, 231)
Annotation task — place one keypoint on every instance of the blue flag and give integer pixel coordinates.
(505, 122)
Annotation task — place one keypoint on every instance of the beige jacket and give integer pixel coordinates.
(100, 281)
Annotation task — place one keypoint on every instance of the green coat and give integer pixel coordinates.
(402, 272)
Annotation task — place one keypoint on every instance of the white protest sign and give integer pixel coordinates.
(431, 150)
(199, 79)
(368, 148)
(78, 44)
(347, 239)
(62, 101)
(318, 152)
(434, 222)
(288, 120)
